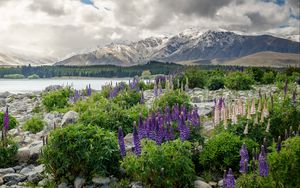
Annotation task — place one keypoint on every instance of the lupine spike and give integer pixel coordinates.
(262, 163)
(136, 141)
(6, 119)
(244, 158)
(230, 182)
(121, 142)
(278, 146)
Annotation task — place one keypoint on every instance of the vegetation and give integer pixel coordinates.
(12, 121)
(56, 99)
(168, 165)
(34, 125)
(81, 150)
(14, 76)
(8, 152)
(238, 81)
(171, 98)
(33, 76)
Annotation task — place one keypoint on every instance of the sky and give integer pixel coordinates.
(57, 28)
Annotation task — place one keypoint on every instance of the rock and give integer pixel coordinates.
(136, 185)
(33, 173)
(62, 185)
(4, 171)
(42, 183)
(220, 183)
(79, 182)
(34, 177)
(26, 170)
(35, 150)
(201, 184)
(69, 118)
(53, 88)
(128, 139)
(1, 181)
(4, 94)
(13, 132)
(23, 154)
(195, 99)
(101, 180)
(213, 184)
(2, 102)
(14, 177)
(17, 168)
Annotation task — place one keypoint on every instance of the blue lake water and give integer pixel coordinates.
(25, 85)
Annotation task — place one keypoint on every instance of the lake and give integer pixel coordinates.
(26, 86)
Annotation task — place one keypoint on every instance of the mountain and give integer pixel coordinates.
(267, 59)
(189, 45)
(11, 59)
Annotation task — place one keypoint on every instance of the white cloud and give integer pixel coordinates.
(59, 27)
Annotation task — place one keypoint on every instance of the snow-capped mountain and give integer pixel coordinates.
(12, 59)
(185, 46)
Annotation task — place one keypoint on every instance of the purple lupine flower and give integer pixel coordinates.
(155, 90)
(278, 146)
(6, 119)
(89, 90)
(244, 159)
(230, 182)
(262, 163)
(121, 142)
(159, 134)
(175, 112)
(183, 129)
(169, 132)
(141, 128)
(136, 141)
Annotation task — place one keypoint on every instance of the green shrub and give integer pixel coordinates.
(254, 180)
(256, 73)
(216, 83)
(34, 125)
(127, 98)
(168, 165)
(56, 99)
(268, 78)
(33, 76)
(8, 153)
(222, 152)
(196, 78)
(14, 76)
(81, 150)
(284, 167)
(12, 121)
(171, 98)
(238, 81)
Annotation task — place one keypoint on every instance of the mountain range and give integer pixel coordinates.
(188, 47)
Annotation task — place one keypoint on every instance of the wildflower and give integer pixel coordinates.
(121, 142)
(268, 126)
(136, 141)
(230, 182)
(246, 129)
(244, 159)
(278, 146)
(6, 120)
(262, 163)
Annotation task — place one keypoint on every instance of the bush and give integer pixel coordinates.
(168, 165)
(216, 83)
(268, 78)
(196, 78)
(254, 181)
(238, 81)
(127, 98)
(8, 153)
(171, 98)
(285, 165)
(33, 76)
(256, 73)
(56, 99)
(222, 152)
(12, 121)
(34, 125)
(14, 76)
(80, 150)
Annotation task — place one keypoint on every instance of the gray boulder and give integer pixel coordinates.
(201, 184)
(53, 88)
(79, 182)
(101, 180)
(14, 177)
(69, 118)
(4, 171)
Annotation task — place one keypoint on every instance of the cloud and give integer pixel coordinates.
(59, 27)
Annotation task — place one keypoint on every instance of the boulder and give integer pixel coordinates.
(23, 155)
(69, 118)
(79, 182)
(62, 185)
(35, 150)
(4, 94)
(201, 184)
(53, 88)
(220, 183)
(4, 171)
(1, 181)
(128, 140)
(101, 180)
(14, 177)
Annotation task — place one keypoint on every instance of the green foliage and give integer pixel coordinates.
(171, 98)
(268, 78)
(56, 100)
(254, 181)
(12, 121)
(8, 153)
(33, 76)
(99, 111)
(34, 125)
(222, 152)
(146, 74)
(256, 73)
(127, 98)
(80, 150)
(14, 76)
(216, 83)
(283, 116)
(238, 81)
(168, 165)
(196, 78)
(285, 165)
